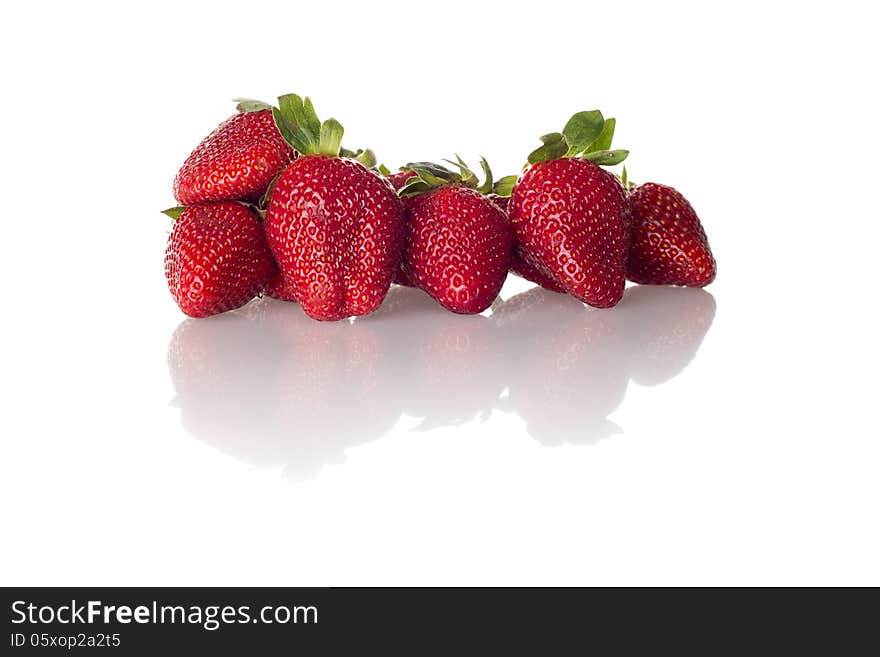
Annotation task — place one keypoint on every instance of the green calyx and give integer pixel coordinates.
(246, 105)
(628, 184)
(504, 186)
(174, 212)
(298, 123)
(363, 155)
(431, 176)
(259, 208)
(587, 135)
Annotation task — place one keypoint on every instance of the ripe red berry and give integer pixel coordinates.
(217, 258)
(572, 221)
(518, 265)
(235, 162)
(570, 216)
(399, 179)
(458, 247)
(333, 225)
(279, 289)
(335, 229)
(668, 244)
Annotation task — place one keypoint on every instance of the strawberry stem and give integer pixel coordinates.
(431, 176)
(587, 135)
(298, 123)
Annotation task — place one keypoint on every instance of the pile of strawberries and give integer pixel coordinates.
(272, 204)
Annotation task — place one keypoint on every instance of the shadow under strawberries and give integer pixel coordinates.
(271, 387)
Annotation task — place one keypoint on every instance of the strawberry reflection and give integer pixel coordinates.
(566, 372)
(274, 388)
(662, 329)
(446, 368)
(573, 364)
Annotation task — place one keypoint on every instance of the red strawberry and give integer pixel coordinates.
(237, 161)
(571, 217)
(459, 243)
(519, 266)
(217, 258)
(334, 226)
(278, 289)
(668, 244)
(501, 201)
(400, 276)
(524, 270)
(399, 178)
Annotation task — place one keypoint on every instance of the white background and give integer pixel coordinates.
(719, 437)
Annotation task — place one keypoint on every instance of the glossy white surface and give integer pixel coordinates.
(725, 436)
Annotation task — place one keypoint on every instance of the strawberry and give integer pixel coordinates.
(519, 266)
(459, 243)
(334, 226)
(217, 258)
(237, 161)
(501, 201)
(570, 216)
(399, 178)
(668, 244)
(400, 276)
(278, 289)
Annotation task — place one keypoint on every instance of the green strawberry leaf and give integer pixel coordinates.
(174, 212)
(433, 170)
(309, 117)
(486, 187)
(366, 157)
(582, 130)
(603, 141)
(299, 125)
(606, 158)
(304, 116)
(385, 171)
(431, 176)
(290, 129)
(433, 180)
(555, 146)
(250, 105)
(467, 178)
(330, 137)
(504, 186)
(414, 186)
